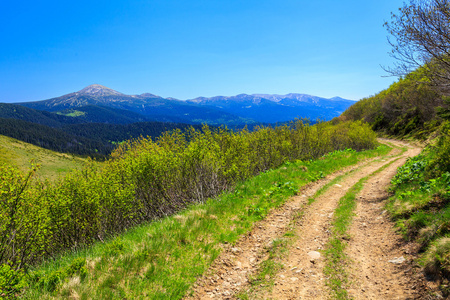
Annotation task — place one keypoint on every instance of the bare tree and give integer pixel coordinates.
(420, 38)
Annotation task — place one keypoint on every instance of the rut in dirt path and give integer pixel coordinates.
(381, 262)
(302, 276)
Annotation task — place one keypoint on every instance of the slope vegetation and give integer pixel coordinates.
(52, 164)
(408, 107)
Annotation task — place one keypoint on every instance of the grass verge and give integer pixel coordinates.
(420, 206)
(162, 259)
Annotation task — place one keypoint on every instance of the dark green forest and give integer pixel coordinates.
(96, 140)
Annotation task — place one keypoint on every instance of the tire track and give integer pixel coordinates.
(382, 263)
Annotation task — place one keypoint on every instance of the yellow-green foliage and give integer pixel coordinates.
(407, 106)
(181, 168)
(440, 162)
(52, 164)
(23, 219)
(145, 179)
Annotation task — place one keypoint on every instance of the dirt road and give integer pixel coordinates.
(380, 263)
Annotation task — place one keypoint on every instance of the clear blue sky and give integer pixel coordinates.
(185, 49)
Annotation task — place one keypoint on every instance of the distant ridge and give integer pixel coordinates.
(273, 108)
(149, 106)
(220, 110)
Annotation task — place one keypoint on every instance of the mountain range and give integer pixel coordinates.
(95, 100)
(93, 120)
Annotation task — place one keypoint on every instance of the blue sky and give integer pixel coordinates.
(186, 49)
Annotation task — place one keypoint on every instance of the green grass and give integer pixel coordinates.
(72, 113)
(420, 205)
(162, 259)
(52, 164)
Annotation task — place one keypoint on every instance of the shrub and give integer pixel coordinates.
(440, 162)
(11, 281)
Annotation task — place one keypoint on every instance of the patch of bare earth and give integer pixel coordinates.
(382, 264)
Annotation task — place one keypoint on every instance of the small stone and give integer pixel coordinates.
(314, 255)
(293, 279)
(397, 260)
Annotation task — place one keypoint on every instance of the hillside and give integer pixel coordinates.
(53, 138)
(52, 164)
(19, 112)
(409, 106)
(79, 135)
(84, 114)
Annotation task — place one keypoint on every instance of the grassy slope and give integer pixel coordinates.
(20, 154)
(421, 208)
(162, 259)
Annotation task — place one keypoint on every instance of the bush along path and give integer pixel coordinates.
(333, 240)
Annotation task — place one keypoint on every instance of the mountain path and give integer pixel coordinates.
(382, 264)
(301, 276)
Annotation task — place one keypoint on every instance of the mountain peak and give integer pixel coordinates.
(98, 90)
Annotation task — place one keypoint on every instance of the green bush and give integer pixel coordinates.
(11, 281)
(440, 162)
